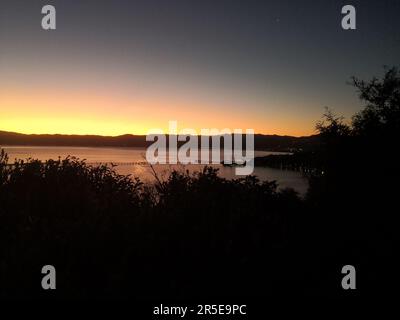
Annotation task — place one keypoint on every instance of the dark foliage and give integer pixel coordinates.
(111, 236)
(200, 235)
(353, 174)
(355, 198)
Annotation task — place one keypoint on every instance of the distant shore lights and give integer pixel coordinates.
(161, 152)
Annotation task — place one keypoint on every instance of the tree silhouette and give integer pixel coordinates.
(381, 114)
(199, 235)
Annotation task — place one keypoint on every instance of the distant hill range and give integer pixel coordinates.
(262, 142)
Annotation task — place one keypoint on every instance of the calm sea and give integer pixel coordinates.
(132, 161)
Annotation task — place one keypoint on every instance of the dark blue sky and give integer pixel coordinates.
(267, 65)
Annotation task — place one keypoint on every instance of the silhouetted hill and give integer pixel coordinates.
(285, 143)
(262, 142)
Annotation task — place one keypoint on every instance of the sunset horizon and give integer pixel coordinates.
(198, 158)
(311, 133)
(149, 67)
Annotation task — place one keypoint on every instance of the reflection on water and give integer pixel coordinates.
(132, 161)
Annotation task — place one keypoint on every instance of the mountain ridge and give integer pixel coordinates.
(261, 141)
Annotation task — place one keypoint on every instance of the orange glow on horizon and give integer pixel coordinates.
(81, 113)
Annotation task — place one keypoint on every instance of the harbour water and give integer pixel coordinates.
(132, 161)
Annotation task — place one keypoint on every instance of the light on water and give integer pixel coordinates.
(132, 161)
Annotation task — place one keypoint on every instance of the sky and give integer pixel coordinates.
(125, 67)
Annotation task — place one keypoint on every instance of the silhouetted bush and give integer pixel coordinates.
(110, 235)
(199, 235)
